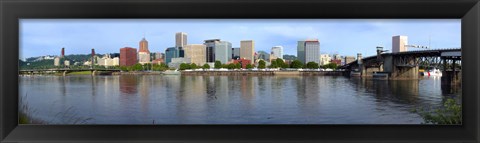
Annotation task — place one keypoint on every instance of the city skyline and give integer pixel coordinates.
(41, 37)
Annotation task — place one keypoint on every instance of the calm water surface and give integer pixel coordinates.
(174, 99)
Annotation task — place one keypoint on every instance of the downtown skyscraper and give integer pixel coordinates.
(143, 52)
(301, 51)
(247, 50)
(196, 53)
(210, 49)
(128, 56)
(223, 51)
(277, 51)
(217, 50)
(180, 39)
(308, 51)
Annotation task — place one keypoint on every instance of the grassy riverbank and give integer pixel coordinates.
(68, 116)
(25, 114)
(80, 73)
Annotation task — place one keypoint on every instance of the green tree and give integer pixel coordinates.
(231, 66)
(206, 66)
(261, 64)
(296, 64)
(136, 67)
(249, 66)
(163, 66)
(124, 68)
(226, 66)
(312, 65)
(331, 66)
(238, 66)
(193, 66)
(184, 66)
(147, 66)
(156, 67)
(218, 64)
(281, 63)
(273, 64)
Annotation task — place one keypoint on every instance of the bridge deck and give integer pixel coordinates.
(420, 53)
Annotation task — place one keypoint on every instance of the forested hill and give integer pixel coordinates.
(40, 62)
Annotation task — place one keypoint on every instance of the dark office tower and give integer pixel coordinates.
(181, 52)
(170, 53)
(236, 53)
(210, 49)
(128, 56)
(301, 51)
(63, 52)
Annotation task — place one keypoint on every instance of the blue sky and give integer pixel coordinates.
(346, 37)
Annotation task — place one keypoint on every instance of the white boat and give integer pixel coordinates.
(171, 72)
(433, 72)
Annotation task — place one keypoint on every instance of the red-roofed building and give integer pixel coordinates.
(338, 62)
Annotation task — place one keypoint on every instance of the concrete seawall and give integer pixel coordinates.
(227, 73)
(277, 73)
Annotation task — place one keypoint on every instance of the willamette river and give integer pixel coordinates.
(175, 99)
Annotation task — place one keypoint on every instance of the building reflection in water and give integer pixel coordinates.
(398, 91)
(191, 100)
(63, 85)
(308, 95)
(407, 90)
(144, 86)
(301, 89)
(128, 84)
(247, 88)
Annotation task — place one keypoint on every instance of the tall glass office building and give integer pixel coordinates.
(170, 53)
(223, 51)
(301, 51)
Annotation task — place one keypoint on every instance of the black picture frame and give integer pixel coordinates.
(11, 11)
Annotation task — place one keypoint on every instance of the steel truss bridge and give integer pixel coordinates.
(436, 58)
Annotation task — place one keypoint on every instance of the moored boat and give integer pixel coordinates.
(433, 72)
(171, 72)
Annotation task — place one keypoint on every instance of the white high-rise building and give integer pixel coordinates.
(398, 44)
(277, 51)
(180, 39)
(312, 51)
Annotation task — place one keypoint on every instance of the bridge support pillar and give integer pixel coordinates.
(64, 73)
(94, 72)
(405, 73)
(451, 79)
